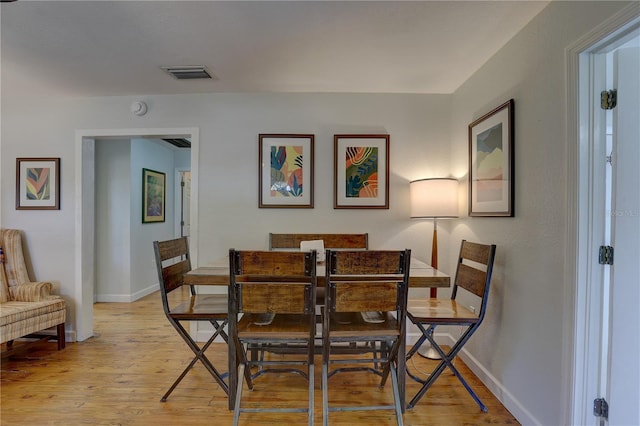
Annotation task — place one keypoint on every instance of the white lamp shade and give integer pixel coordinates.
(434, 198)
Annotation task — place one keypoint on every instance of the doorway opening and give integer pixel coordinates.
(85, 274)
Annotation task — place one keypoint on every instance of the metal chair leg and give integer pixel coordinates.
(236, 410)
(199, 355)
(325, 391)
(447, 361)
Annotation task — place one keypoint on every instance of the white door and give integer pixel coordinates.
(623, 384)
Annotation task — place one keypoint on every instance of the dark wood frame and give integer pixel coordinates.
(383, 200)
(145, 189)
(54, 186)
(502, 115)
(265, 165)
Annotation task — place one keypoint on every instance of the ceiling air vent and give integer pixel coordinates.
(188, 72)
(180, 142)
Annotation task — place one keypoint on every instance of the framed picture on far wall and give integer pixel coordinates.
(37, 183)
(491, 164)
(361, 171)
(154, 190)
(285, 175)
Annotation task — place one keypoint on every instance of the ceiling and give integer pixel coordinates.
(102, 48)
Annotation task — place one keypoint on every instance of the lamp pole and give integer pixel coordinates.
(433, 292)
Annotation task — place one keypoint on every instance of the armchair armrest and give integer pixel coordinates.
(31, 292)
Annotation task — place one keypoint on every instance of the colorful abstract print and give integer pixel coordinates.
(38, 183)
(286, 171)
(361, 178)
(490, 160)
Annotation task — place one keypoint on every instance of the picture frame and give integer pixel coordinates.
(37, 183)
(491, 163)
(154, 191)
(361, 171)
(285, 170)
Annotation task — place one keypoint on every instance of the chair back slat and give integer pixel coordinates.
(285, 298)
(364, 263)
(172, 275)
(471, 279)
(173, 248)
(363, 297)
(272, 263)
(331, 241)
(479, 253)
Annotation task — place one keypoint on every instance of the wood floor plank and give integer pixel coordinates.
(119, 375)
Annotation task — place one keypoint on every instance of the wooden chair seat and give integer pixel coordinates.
(289, 326)
(202, 306)
(357, 327)
(440, 311)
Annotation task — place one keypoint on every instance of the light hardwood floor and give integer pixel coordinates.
(118, 377)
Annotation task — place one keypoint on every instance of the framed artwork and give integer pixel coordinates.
(285, 171)
(154, 190)
(361, 171)
(37, 183)
(491, 165)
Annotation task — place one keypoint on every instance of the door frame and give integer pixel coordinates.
(582, 308)
(85, 211)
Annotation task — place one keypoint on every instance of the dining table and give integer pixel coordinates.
(421, 275)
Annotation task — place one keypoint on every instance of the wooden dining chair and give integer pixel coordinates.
(473, 276)
(282, 284)
(173, 261)
(368, 290)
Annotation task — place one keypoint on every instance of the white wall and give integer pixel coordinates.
(113, 221)
(521, 345)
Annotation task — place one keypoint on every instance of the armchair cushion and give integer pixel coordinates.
(42, 311)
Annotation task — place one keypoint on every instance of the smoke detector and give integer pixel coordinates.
(188, 72)
(138, 108)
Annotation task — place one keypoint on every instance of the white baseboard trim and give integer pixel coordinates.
(127, 298)
(70, 336)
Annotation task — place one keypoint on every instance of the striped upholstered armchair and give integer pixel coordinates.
(26, 307)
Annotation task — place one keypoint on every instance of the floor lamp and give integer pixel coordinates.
(435, 199)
